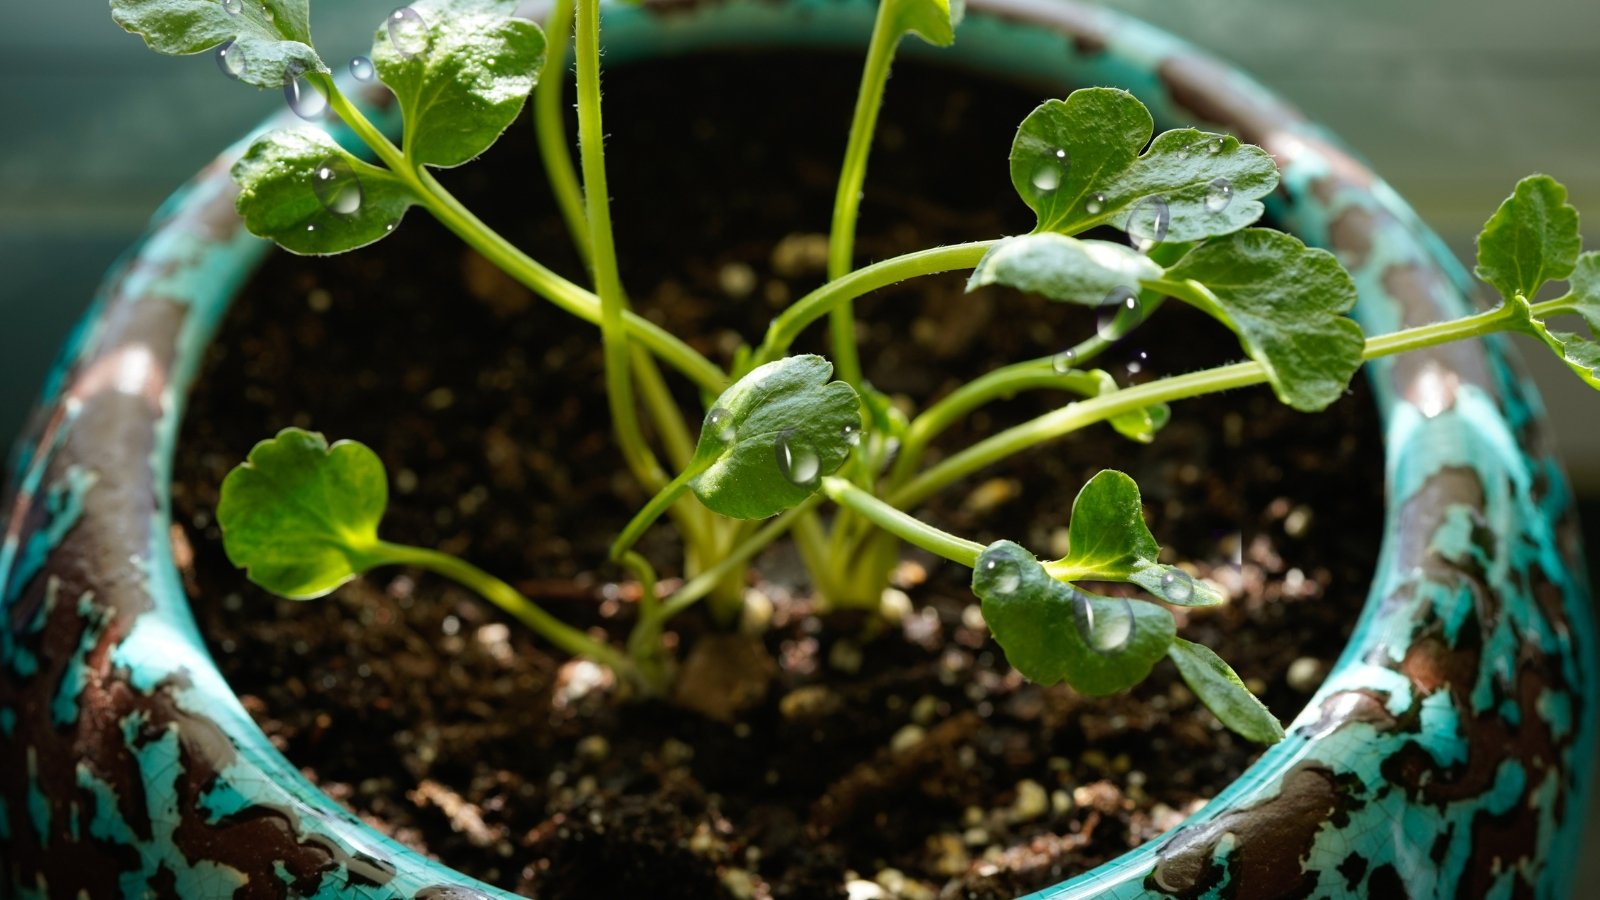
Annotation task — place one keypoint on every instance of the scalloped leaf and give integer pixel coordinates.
(1077, 163)
(271, 38)
(1287, 304)
(301, 517)
(772, 436)
(1531, 239)
(302, 190)
(463, 81)
(1053, 632)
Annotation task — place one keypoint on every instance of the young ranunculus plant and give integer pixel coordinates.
(797, 444)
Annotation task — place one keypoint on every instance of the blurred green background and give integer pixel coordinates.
(1452, 102)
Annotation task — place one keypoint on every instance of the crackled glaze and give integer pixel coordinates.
(1447, 754)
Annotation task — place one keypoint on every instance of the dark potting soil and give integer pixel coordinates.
(915, 764)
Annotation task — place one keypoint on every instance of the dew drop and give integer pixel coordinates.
(1217, 143)
(407, 32)
(1094, 204)
(1177, 586)
(336, 186)
(303, 96)
(1148, 223)
(1137, 364)
(1062, 362)
(1005, 575)
(361, 69)
(234, 7)
(1046, 178)
(1117, 314)
(230, 60)
(390, 225)
(1107, 629)
(1219, 195)
(852, 434)
(311, 228)
(797, 459)
(720, 423)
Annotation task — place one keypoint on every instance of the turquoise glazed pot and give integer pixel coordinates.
(1446, 755)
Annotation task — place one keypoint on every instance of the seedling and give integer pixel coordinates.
(782, 448)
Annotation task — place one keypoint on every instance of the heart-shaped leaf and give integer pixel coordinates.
(461, 70)
(301, 517)
(1063, 268)
(1077, 164)
(1286, 302)
(1215, 683)
(270, 38)
(1054, 632)
(299, 188)
(771, 437)
(1532, 238)
(1107, 540)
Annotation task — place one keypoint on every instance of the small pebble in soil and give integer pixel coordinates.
(800, 254)
(1032, 802)
(1298, 522)
(1304, 674)
(894, 605)
(906, 738)
(861, 889)
(737, 280)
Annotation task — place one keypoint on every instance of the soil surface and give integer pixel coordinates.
(915, 764)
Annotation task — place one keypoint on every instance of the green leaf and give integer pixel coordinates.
(771, 437)
(1532, 238)
(1054, 632)
(934, 21)
(300, 517)
(1286, 302)
(299, 188)
(1581, 354)
(466, 82)
(1585, 284)
(1063, 268)
(1077, 164)
(1107, 540)
(1223, 693)
(271, 37)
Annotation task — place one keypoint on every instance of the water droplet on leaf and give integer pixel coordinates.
(852, 434)
(1005, 573)
(1118, 313)
(407, 32)
(1109, 631)
(1219, 195)
(234, 7)
(1177, 586)
(361, 69)
(230, 60)
(336, 186)
(1062, 362)
(1217, 143)
(797, 459)
(1094, 204)
(303, 96)
(720, 423)
(1148, 223)
(1046, 178)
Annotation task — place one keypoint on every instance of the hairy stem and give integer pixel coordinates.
(551, 130)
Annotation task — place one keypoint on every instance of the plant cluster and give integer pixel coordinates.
(779, 437)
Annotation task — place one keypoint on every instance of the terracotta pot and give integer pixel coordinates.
(1447, 754)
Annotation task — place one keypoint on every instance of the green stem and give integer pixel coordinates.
(664, 411)
(903, 525)
(1000, 384)
(551, 130)
(792, 321)
(563, 293)
(853, 174)
(509, 599)
(603, 250)
(649, 626)
(1077, 415)
(659, 504)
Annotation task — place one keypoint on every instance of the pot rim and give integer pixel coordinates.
(1463, 448)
